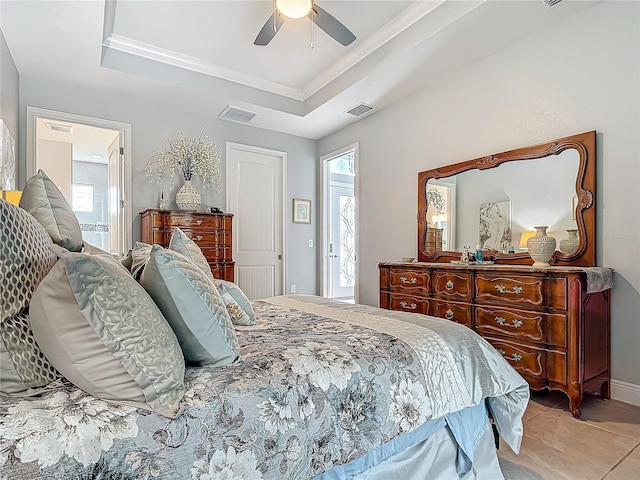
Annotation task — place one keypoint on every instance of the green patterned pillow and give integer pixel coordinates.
(104, 333)
(25, 258)
(42, 199)
(23, 367)
(192, 305)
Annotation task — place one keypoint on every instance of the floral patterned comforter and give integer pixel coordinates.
(320, 384)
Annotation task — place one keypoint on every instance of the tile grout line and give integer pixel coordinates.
(622, 460)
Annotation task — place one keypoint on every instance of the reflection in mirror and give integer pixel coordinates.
(495, 206)
(441, 209)
(496, 200)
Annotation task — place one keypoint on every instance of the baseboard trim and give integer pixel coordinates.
(625, 392)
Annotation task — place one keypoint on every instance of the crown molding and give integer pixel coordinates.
(151, 52)
(403, 21)
(121, 43)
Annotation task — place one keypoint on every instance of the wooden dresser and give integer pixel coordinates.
(211, 231)
(542, 320)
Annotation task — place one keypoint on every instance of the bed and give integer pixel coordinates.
(324, 390)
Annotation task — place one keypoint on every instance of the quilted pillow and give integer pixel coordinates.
(42, 199)
(181, 243)
(23, 366)
(192, 306)
(139, 258)
(232, 293)
(25, 258)
(103, 332)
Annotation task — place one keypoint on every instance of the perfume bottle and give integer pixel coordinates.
(479, 254)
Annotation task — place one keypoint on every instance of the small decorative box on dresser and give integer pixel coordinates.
(211, 231)
(551, 323)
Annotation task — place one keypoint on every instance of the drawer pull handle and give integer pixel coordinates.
(413, 306)
(448, 314)
(413, 281)
(449, 285)
(502, 321)
(189, 221)
(514, 291)
(196, 237)
(515, 357)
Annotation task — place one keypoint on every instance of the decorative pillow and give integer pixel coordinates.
(236, 313)
(42, 199)
(240, 298)
(25, 258)
(192, 306)
(139, 258)
(23, 366)
(181, 243)
(103, 332)
(89, 249)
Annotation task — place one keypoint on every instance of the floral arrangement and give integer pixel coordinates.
(188, 157)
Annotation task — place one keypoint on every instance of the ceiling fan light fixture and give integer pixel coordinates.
(294, 8)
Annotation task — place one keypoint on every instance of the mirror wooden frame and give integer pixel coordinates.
(585, 255)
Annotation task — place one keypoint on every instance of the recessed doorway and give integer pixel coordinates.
(85, 158)
(339, 202)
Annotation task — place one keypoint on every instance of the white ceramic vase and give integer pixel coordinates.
(187, 197)
(541, 247)
(571, 243)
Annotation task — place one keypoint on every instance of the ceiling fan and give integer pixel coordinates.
(303, 8)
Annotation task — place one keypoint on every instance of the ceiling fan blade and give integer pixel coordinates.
(331, 25)
(268, 31)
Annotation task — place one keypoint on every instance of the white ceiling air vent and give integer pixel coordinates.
(360, 109)
(235, 114)
(551, 3)
(58, 127)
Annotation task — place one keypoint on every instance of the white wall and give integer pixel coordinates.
(152, 123)
(573, 77)
(55, 158)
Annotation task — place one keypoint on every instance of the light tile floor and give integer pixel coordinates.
(603, 444)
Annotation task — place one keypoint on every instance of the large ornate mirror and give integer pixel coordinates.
(497, 200)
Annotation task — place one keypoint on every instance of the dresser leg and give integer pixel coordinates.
(575, 398)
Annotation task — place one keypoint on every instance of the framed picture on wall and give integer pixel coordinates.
(301, 211)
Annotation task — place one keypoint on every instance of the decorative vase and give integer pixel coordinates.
(187, 197)
(571, 243)
(541, 247)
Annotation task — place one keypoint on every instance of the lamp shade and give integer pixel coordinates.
(524, 237)
(12, 196)
(294, 8)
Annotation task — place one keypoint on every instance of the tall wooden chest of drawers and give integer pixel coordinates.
(211, 231)
(545, 321)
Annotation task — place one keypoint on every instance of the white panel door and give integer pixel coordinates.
(255, 180)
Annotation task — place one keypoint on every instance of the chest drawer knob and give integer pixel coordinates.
(413, 306)
(405, 280)
(514, 291)
(514, 357)
(502, 321)
(448, 314)
(194, 237)
(449, 285)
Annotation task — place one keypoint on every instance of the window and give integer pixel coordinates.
(82, 197)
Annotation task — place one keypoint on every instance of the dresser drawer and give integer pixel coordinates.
(408, 303)
(532, 361)
(521, 324)
(409, 280)
(456, 312)
(205, 222)
(518, 290)
(456, 286)
(202, 237)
